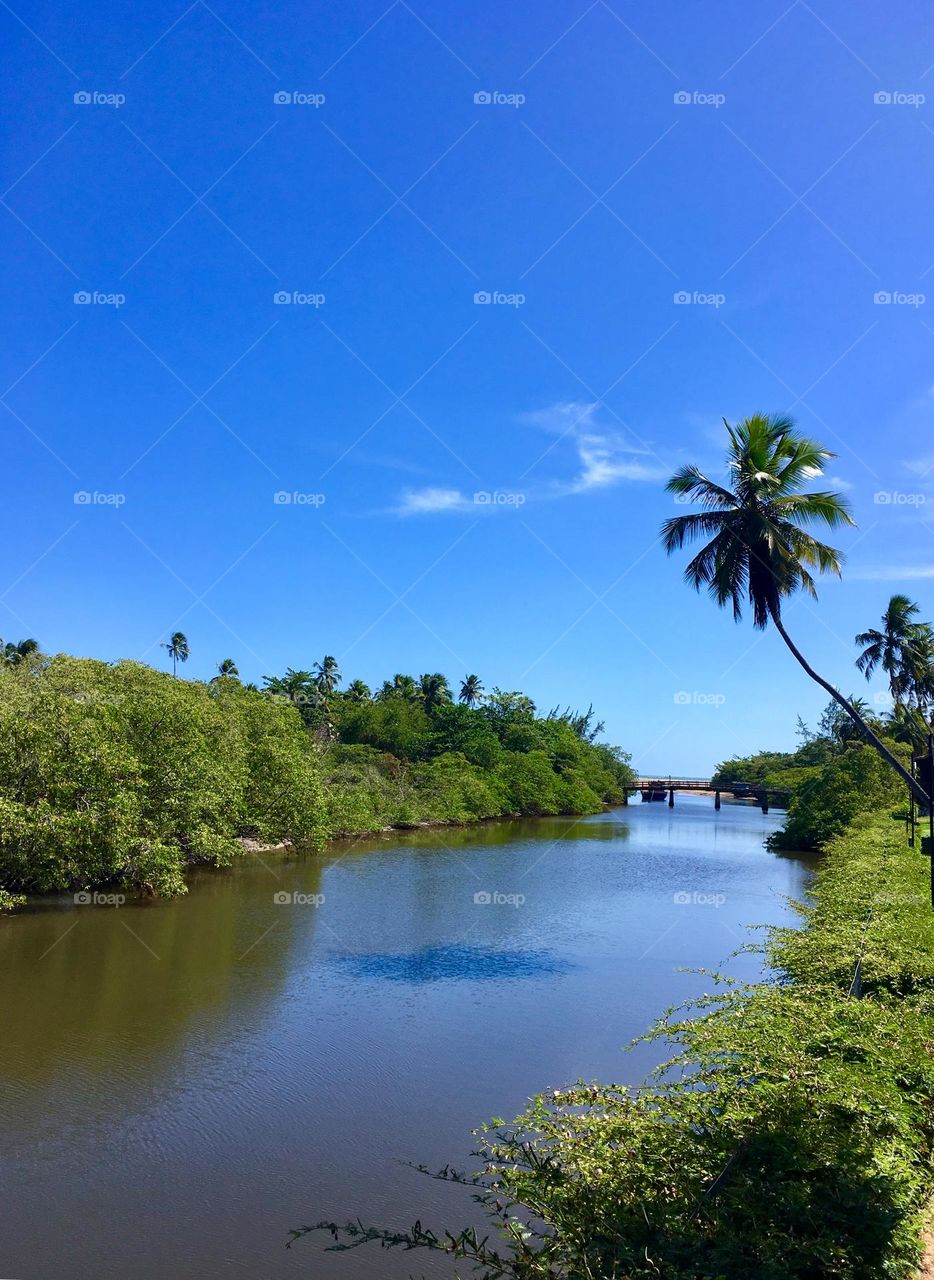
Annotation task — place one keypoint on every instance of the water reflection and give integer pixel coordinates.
(454, 963)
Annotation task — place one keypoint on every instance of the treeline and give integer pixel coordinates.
(834, 775)
(124, 775)
(790, 1137)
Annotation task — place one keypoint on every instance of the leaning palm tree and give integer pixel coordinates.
(471, 690)
(892, 648)
(327, 674)
(178, 648)
(13, 654)
(226, 670)
(758, 550)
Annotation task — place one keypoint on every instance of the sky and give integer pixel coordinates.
(376, 331)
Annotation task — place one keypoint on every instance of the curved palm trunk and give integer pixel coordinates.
(912, 783)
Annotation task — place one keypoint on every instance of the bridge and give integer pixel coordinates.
(659, 789)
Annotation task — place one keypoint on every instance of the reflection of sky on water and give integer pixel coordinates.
(452, 963)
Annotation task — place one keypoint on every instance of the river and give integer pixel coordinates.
(184, 1081)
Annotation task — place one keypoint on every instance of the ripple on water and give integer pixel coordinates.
(453, 963)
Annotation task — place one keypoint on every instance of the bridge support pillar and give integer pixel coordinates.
(716, 800)
(765, 804)
(671, 798)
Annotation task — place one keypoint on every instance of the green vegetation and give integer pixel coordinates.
(833, 776)
(789, 1137)
(123, 775)
(759, 550)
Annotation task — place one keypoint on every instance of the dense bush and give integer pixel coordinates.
(789, 1138)
(124, 774)
(857, 781)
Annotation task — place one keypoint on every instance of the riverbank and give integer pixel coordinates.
(789, 1137)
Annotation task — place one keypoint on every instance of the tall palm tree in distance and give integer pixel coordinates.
(227, 668)
(758, 550)
(327, 674)
(178, 648)
(471, 690)
(893, 647)
(358, 691)
(434, 690)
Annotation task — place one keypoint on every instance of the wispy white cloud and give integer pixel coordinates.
(430, 501)
(605, 457)
(604, 463)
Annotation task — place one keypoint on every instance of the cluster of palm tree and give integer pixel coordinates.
(758, 551)
(432, 690)
(315, 688)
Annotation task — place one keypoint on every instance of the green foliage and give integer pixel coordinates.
(857, 781)
(125, 775)
(467, 762)
(788, 1138)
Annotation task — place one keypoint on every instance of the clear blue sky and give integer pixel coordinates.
(781, 197)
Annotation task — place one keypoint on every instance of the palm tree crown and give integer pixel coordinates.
(226, 669)
(178, 648)
(471, 690)
(758, 550)
(327, 674)
(434, 690)
(895, 647)
(11, 655)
